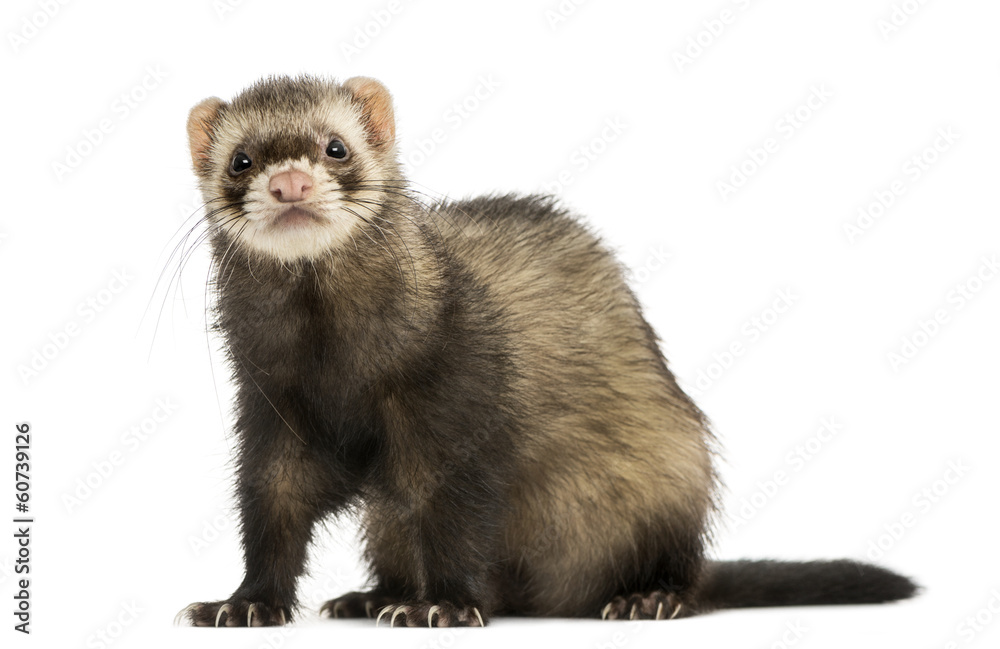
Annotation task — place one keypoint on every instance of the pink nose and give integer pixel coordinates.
(290, 186)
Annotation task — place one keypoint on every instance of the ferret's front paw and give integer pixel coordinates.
(357, 604)
(657, 605)
(232, 612)
(427, 614)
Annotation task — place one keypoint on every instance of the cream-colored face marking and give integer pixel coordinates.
(264, 231)
(334, 220)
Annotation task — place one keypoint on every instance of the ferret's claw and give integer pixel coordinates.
(659, 611)
(385, 609)
(368, 608)
(635, 612)
(250, 611)
(225, 608)
(430, 615)
(399, 610)
(479, 616)
(677, 610)
(605, 611)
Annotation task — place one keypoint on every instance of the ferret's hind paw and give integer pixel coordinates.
(356, 604)
(234, 612)
(655, 605)
(427, 614)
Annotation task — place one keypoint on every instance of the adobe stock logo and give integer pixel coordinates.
(587, 154)
(120, 109)
(785, 128)
(86, 312)
(956, 299)
(913, 170)
(898, 17)
(795, 461)
(453, 118)
(112, 631)
(371, 29)
(712, 29)
(129, 442)
(751, 331)
(33, 23)
(922, 503)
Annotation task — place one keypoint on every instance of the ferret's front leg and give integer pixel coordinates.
(440, 535)
(280, 497)
(445, 551)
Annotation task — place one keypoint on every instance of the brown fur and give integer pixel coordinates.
(475, 377)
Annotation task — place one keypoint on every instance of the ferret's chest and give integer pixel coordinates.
(300, 353)
(289, 336)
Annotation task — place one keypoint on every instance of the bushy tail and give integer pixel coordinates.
(740, 584)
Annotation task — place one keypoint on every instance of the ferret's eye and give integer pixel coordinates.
(241, 162)
(336, 149)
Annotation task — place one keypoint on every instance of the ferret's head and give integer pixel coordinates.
(292, 168)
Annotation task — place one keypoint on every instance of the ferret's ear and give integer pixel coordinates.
(376, 105)
(201, 122)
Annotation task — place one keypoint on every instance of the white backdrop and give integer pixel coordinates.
(805, 192)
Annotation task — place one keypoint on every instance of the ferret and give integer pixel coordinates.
(474, 379)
